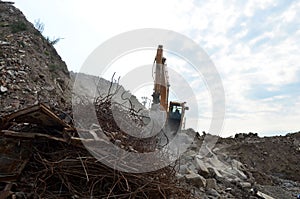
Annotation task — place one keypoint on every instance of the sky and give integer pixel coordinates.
(253, 44)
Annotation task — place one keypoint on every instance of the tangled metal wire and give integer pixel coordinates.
(59, 169)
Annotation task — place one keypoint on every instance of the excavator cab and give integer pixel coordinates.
(175, 111)
(176, 115)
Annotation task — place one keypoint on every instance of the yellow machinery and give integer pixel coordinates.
(175, 110)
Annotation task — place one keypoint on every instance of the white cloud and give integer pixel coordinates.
(249, 50)
(255, 5)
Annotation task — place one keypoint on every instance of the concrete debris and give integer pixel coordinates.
(200, 166)
(4, 43)
(211, 183)
(38, 145)
(212, 192)
(3, 89)
(215, 173)
(196, 180)
(44, 156)
(228, 189)
(263, 195)
(245, 185)
(226, 176)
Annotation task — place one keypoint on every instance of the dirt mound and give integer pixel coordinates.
(31, 71)
(271, 162)
(277, 156)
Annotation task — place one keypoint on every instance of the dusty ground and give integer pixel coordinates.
(278, 156)
(272, 161)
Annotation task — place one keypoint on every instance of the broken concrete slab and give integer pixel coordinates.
(245, 185)
(212, 192)
(3, 89)
(263, 195)
(214, 172)
(195, 179)
(200, 166)
(211, 183)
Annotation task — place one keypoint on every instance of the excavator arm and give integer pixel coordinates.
(175, 110)
(161, 83)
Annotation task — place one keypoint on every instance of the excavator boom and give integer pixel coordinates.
(161, 87)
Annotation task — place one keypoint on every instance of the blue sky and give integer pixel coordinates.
(254, 45)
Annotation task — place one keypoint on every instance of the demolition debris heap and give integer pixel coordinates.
(43, 156)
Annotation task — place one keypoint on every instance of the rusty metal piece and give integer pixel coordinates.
(14, 157)
(6, 191)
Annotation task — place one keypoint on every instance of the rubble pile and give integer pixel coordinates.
(31, 71)
(43, 157)
(277, 155)
(225, 172)
(213, 175)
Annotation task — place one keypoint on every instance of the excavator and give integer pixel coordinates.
(175, 111)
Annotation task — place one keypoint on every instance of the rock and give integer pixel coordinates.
(195, 179)
(11, 73)
(15, 104)
(183, 169)
(211, 183)
(202, 169)
(194, 147)
(192, 168)
(239, 136)
(263, 195)
(238, 165)
(3, 89)
(228, 189)
(22, 73)
(180, 177)
(212, 192)
(132, 149)
(189, 155)
(245, 184)
(118, 142)
(289, 184)
(49, 88)
(214, 173)
(4, 43)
